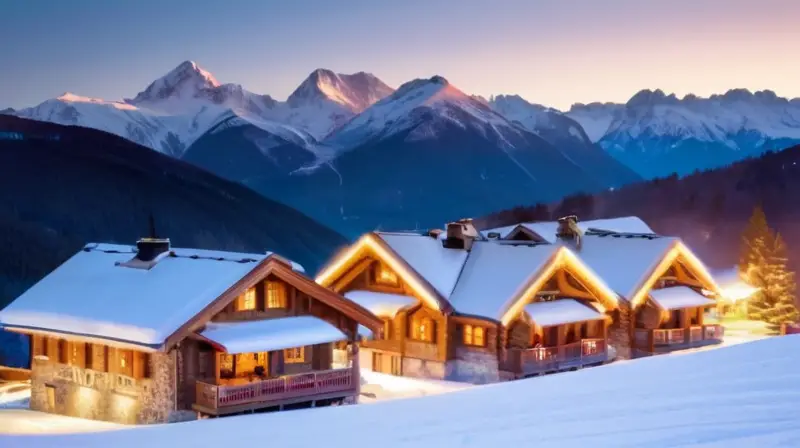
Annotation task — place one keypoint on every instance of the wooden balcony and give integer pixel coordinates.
(537, 361)
(672, 339)
(311, 387)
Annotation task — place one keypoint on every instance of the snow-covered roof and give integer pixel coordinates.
(439, 266)
(547, 229)
(561, 311)
(92, 294)
(272, 334)
(483, 281)
(624, 262)
(677, 297)
(380, 304)
(494, 274)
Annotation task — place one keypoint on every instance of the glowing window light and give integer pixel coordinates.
(368, 241)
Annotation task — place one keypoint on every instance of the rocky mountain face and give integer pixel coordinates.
(658, 134)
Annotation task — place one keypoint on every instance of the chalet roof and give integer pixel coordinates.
(92, 295)
(481, 282)
(678, 297)
(547, 229)
(561, 311)
(439, 266)
(623, 261)
(271, 334)
(494, 274)
(380, 304)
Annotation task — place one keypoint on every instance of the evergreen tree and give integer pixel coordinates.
(764, 264)
(783, 287)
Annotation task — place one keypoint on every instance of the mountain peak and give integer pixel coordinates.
(649, 97)
(184, 81)
(354, 92)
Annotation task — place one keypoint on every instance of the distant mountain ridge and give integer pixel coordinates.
(657, 134)
(423, 155)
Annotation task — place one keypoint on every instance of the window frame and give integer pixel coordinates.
(275, 295)
(247, 301)
(294, 355)
(473, 335)
(423, 329)
(385, 276)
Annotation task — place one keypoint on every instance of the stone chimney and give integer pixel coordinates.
(460, 235)
(569, 232)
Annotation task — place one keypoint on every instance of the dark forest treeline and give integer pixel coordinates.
(61, 187)
(707, 209)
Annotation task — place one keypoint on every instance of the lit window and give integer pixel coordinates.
(248, 300)
(422, 329)
(294, 355)
(384, 276)
(474, 335)
(276, 295)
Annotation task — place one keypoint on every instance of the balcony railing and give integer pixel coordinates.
(564, 357)
(214, 397)
(693, 336)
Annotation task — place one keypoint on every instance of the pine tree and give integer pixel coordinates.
(783, 288)
(764, 264)
(757, 227)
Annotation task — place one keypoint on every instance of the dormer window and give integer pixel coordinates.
(422, 328)
(247, 301)
(276, 295)
(385, 276)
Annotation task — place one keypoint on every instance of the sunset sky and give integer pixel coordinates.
(551, 52)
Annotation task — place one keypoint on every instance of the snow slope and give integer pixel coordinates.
(739, 396)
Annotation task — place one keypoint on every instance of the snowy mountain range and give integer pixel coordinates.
(342, 142)
(657, 134)
(425, 154)
(176, 109)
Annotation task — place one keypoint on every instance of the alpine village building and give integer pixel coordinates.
(524, 300)
(154, 334)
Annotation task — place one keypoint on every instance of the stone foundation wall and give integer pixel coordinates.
(473, 367)
(420, 368)
(619, 333)
(85, 393)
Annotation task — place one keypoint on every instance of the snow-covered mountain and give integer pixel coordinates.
(326, 100)
(657, 134)
(7, 111)
(425, 154)
(564, 133)
(186, 103)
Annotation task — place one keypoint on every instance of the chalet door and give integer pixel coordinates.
(397, 366)
(377, 361)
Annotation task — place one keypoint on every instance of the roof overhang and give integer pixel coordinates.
(371, 243)
(674, 252)
(77, 337)
(562, 258)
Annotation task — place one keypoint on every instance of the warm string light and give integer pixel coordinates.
(368, 241)
(678, 249)
(564, 258)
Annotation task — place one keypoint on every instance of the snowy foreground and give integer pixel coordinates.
(746, 395)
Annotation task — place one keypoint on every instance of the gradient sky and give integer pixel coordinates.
(551, 52)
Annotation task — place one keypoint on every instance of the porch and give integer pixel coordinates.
(665, 340)
(275, 363)
(543, 360)
(313, 388)
(673, 320)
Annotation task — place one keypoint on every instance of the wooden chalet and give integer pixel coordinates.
(153, 334)
(666, 288)
(458, 307)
